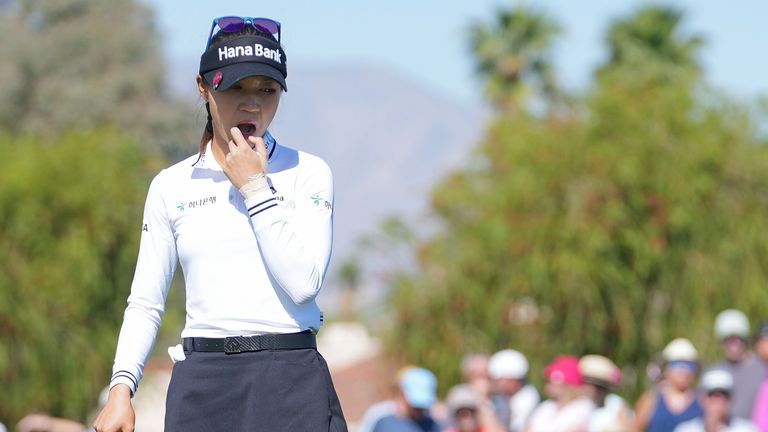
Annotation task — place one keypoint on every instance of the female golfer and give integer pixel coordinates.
(250, 221)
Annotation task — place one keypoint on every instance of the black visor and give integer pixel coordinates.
(226, 63)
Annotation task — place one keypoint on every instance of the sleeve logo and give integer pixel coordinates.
(319, 201)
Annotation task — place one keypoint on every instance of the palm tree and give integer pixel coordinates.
(652, 37)
(350, 276)
(513, 57)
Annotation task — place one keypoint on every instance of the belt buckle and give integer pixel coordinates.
(232, 345)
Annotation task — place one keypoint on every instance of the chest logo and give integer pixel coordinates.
(200, 202)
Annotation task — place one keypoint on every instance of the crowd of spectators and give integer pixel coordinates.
(580, 394)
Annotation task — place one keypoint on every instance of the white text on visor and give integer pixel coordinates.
(257, 50)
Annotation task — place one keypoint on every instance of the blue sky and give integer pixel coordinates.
(428, 40)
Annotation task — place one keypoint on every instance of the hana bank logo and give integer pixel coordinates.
(317, 200)
(257, 50)
(200, 202)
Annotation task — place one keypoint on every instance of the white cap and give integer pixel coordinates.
(508, 364)
(680, 349)
(462, 396)
(731, 322)
(602, 369)
(717, 379)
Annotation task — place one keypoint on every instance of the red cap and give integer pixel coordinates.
(564, 370)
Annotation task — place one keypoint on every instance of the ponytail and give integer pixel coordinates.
(207, 133)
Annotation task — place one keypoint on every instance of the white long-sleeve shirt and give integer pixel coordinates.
(521, 406)
(551, 417)
(250, 266)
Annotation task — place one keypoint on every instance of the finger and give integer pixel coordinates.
(260, 147)
(238, 137)
(261, 151)
(232, 146)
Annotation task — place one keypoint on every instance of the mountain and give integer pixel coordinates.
(387, 138)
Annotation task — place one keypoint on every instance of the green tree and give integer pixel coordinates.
(84, 112)
(70, 212)
(611, 232)
(78, 64)
(513, 57)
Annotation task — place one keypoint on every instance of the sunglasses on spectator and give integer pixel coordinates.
(719, 393)
(683, 365)
(233, 24)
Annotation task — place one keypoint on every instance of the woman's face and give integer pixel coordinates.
(553, 390)
(250, 104)
(717, 404)
(734, 348)
(681, 375)
(466, 420)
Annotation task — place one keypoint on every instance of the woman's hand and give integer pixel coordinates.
(241, 161)
(117, 415)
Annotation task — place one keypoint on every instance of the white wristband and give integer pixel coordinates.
(256, 183)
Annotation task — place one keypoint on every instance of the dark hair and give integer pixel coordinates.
(221, 36)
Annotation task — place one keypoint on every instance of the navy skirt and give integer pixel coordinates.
(270, 391)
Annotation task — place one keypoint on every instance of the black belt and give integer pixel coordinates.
(238, 344)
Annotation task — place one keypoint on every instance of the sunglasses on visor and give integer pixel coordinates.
(233, 24)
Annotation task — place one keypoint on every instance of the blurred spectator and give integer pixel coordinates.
(567, 409)
(469, 413)
(760, 412)
(674, 401)
(2, 428)
(474, 371)
(732, 330)
(379, 410)
(418, 392)
(761, 343)
(514, 399)
(717, 385)
(45, 423)
(474, 375)
(40, 422)
(376, 412)
(601, 376)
